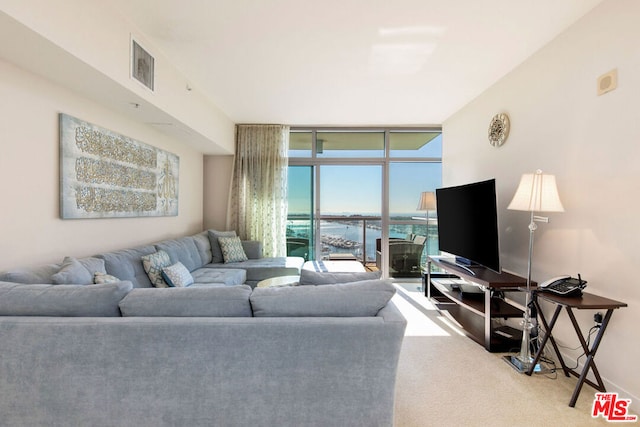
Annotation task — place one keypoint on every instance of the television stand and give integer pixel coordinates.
(457, 264)
(476, 312)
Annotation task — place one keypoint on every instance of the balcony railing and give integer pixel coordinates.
(355, 235)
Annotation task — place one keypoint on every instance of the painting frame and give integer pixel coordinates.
(104, 174)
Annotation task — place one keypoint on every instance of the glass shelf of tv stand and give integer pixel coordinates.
(475, 312)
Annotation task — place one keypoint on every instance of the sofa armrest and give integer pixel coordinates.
(391, 314)
(252, 248)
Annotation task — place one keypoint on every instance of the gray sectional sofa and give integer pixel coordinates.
(213, 354)
(199, 253)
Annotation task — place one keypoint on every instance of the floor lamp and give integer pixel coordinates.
(427, 203)
(536, 192)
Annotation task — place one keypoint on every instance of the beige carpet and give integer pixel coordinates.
(446, 379)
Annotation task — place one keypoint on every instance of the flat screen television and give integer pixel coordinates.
(468, 224)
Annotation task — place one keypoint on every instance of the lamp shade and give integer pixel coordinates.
(427, 201)
(537, 192)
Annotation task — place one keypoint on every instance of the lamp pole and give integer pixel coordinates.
(524, 357)
(536, 193)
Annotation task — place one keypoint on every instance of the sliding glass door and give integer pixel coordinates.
(349, 211)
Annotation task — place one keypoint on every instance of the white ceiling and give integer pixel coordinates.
(347, 62)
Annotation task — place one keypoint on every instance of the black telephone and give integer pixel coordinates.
(565, 286)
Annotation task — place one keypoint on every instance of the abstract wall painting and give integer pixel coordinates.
(107, 175)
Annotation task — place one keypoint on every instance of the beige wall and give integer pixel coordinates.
(217, 184)
(31, 229)
(591, 143)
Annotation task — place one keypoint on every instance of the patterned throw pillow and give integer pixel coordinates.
(232, 250)
(153, 265)
(177, 275)
(100, 278)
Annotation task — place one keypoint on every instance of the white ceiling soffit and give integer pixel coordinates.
(348, 62)
(38, 54)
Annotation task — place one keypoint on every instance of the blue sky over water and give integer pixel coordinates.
(358, 189)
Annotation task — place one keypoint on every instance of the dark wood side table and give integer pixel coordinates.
(585, 302)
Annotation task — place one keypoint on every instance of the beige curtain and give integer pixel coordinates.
(259, 189)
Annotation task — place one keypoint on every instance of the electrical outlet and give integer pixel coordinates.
(597, 318)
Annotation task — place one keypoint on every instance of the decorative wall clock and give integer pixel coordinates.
(498, 129)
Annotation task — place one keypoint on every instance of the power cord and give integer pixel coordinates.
(547, 365)
(592, 330)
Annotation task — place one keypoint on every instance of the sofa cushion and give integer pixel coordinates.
(309, 277)
(204, 247)
(232, 250)
(226, 301)
(216, 252)
(357, 299)
(222, 276)
(177, 275)
(183, 250)
(252, 248)
(62, 300)
(265, 268)
(344, 266)
(126, 264)
(31, 275)
(153, 265)
(75, 271)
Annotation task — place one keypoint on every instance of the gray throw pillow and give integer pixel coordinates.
(216, 252)
(310, 277)
(62, 300)
(72, 272)
(78, 271)
(359, 299)
(223, 301)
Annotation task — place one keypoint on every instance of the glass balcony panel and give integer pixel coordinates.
(355, 236)
(408, 248)
(412, 234)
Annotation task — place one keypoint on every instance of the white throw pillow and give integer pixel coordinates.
(177, 275)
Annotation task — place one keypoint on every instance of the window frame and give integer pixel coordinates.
(384, 161)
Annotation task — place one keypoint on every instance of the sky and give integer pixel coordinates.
(358, 189)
